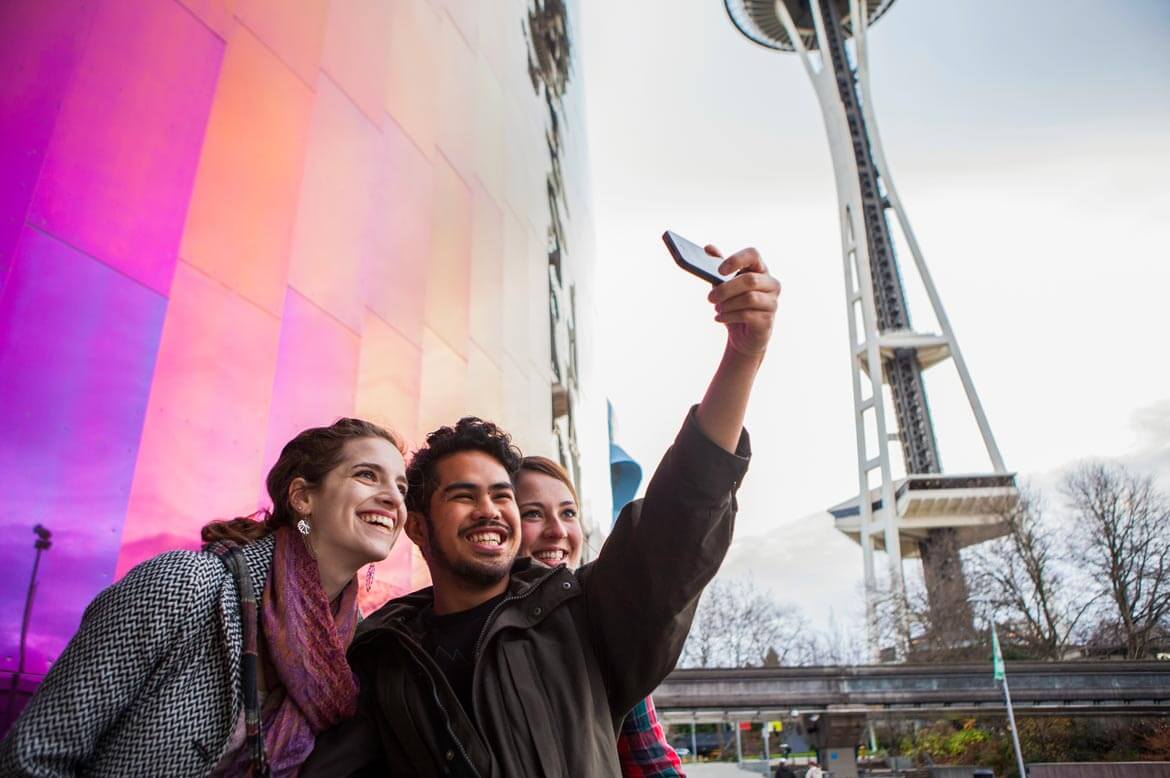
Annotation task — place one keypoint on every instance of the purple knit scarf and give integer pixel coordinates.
(314, 688)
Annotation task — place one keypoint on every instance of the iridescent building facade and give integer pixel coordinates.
(222, 221)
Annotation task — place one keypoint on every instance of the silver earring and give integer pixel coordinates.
(303, 527)
(370, 577)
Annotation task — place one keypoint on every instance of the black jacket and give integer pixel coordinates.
(563, 657)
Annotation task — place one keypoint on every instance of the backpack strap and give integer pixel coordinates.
(233, 559)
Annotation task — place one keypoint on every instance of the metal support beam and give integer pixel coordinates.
(884, 349)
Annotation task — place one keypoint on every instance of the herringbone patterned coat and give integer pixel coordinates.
(150, 684)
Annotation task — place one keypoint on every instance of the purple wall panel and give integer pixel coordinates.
(77, 359)
(118, 172)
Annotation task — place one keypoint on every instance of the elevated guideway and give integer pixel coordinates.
(1081, 688)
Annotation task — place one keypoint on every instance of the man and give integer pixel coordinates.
(505, 668)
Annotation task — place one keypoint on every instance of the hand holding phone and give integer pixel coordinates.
(694, 259)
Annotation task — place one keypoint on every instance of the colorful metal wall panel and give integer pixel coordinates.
(222, 221)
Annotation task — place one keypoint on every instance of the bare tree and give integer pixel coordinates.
(740, 625)
(704, 646)
(835, 645)
(1126, 523)
(935, 629)
(1019, 579)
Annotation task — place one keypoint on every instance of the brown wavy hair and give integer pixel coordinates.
(310, 455)
(549, 467)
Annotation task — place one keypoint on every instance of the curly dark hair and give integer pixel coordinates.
(310, 455)
(469, 434)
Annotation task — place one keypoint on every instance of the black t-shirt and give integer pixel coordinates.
(450, 640)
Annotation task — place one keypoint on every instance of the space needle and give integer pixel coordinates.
(909, 508)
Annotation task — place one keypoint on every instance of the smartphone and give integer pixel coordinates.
(693, 259)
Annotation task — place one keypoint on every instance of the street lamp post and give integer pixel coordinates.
(42, 543)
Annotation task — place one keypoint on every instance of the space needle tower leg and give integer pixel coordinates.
(923, 511)
(873, 457)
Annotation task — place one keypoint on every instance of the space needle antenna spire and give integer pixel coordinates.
(919, 511)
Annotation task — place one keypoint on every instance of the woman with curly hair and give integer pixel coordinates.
(228, 661)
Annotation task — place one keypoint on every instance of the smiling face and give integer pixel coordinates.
(472, 534)
(549, 526)
(359, 508)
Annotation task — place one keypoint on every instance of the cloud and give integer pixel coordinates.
(1151, 425)
(806, 563)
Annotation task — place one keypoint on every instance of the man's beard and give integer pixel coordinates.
(476, 573)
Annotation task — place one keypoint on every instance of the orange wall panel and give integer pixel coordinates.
(240, 220)
(295, 32)
(334, 231)
(201, 456)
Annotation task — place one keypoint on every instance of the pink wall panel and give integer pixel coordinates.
(38, 67)
(395, 278)
(514, 302)
(316, 374)
(485, 381)
(117, 174)
(354, 55)
(244, 203)
(216, 14)
(449, 269)
(389, 378)
(335, 231)
(202, 451)
(487, 277)
(456, 99)
(77, 350)
(393, 577)
(294, 32)
(443, 389)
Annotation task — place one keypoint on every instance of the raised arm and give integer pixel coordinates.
(747, 305)
(642, 591)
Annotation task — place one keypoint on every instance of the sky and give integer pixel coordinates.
(1028, 143)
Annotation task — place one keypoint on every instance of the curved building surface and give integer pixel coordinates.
(222, 221)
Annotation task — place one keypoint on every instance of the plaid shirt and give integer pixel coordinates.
(642, 747)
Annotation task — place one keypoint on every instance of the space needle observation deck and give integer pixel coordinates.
(906, 505)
